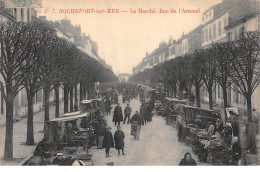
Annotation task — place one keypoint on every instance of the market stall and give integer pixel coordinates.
(198, 134)
(174, 103)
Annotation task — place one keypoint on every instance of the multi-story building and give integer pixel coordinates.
(191, 41)
(159, 55)
(223, 22)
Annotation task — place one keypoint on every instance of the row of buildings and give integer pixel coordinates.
(64, 29)
(221, 22)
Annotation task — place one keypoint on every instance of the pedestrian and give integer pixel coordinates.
(119, 137)
(235, 125)
(118, 115)
(100, 130)
(136, 125)
(235, 151)
(58, 160)
(143, 113)
(187, 160)
(218, 130)
(168, 114)
(41, 149)
(227, 134)
(108, 141)
(115, 98)
(108, 106)
(210, 129)
(180, 127)
(127, 112)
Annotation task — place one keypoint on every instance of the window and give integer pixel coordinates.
(214, 31)
(206, 35)
(210, 34)
(219, 28)
(206, 16)
(202, 36)
(210, 13)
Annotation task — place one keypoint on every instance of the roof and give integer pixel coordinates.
(237, 9)
(241, 20)
(195, 31)
(69, 118)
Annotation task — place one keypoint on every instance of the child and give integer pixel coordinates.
(119, 140)
(108, 141)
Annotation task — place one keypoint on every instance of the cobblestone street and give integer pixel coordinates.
(158, 144)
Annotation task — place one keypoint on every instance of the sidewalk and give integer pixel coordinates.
(20, 149)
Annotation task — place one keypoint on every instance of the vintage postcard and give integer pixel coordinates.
(129, 83)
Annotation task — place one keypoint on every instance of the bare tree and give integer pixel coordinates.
(39, 34)
(223, 67)
(198, 69)
(245, 67)
(209, 75)
(14, 40)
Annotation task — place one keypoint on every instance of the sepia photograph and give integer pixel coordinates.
(129, 83)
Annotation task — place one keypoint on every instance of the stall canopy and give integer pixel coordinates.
(69, 118)
(86, 101)
(72, 113)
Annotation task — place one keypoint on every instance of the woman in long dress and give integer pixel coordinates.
(136, 123)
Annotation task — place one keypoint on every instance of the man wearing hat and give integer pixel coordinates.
(119, 137)
(127, 112)
(118, 115)
(108, 141)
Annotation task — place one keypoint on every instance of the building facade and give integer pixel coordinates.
(220, 23)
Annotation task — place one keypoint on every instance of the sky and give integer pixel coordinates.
(124, 38)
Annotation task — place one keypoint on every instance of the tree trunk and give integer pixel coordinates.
(249, 108)
(57, 101)
(225, 101)
(8, 152)
(84, 91)
(47, 103)
(81, 91)
(88, 92)
(71, 100)
(210, 98)
(76, 97)
(197, 90)
(174, 90)
(66, 99)
(30, 132)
